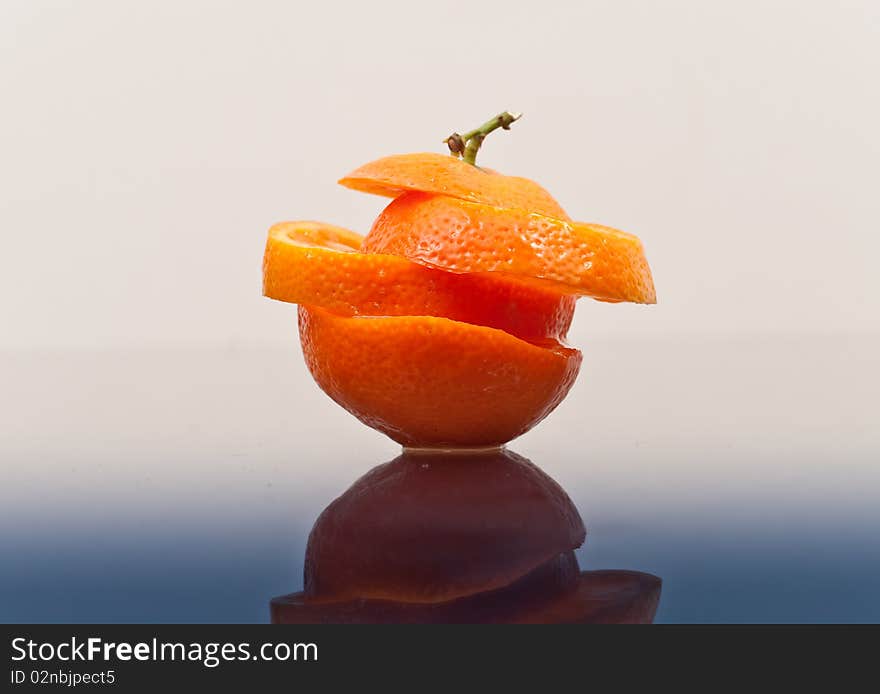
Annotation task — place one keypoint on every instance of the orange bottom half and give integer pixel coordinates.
(432, 382)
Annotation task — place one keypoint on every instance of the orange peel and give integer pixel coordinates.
(319, 264)
(442, 174)
(429, 381)
(467, 237)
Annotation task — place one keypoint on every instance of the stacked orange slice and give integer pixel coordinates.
(445, 325)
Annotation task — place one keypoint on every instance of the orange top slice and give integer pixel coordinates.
(319, 264)
(446, 175)
(467, 237)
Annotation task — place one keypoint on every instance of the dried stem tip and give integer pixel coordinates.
(456, 144)
(467, 145)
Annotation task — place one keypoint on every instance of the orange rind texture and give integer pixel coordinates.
(318, 264)
(466, 237)
(424, 380)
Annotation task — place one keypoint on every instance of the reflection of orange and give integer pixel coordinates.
(457, 537)
(464, 237)
(445, 175)
(598, 597)
(427, 381)
(317, 264)
(433, 527)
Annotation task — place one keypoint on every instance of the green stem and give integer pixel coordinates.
(468, 145)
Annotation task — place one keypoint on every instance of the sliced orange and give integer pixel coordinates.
(447, 175)
(318, 264)
(429, 381)
(466, 237)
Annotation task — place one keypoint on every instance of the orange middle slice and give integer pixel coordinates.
(320, 265)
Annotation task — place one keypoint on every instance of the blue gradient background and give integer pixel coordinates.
(180, 485)
(710, 574)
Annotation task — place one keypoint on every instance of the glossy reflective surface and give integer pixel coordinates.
(462, 537)
(181, 485)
